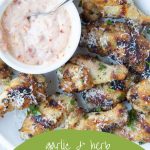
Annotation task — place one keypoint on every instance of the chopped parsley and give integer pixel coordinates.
(109, 22)
(33, 109)
(98, 109)
(73, 102)
(82, 80)
(85, 116)
(6, 81)
(111, 90)
(148, 31)
(141, 143)
(121, 97)
(102, 66)
(132, 119)
(148, 63)
(132, 127)
(80, 3)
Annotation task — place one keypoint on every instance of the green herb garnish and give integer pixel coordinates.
(111, 90)
(98, 109)
(6, 81)
(141, 143)
(85, 116)
(33, 109)
(109, 22)
(132, 118)
(148, 63)
(82, 80)
(132, 127)
(121, 97)
(102, 66)
(148, 31)
(72, 102)
(80, 3)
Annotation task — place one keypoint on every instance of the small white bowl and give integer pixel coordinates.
(41, 69)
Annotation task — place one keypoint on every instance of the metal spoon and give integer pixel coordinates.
(51, 11)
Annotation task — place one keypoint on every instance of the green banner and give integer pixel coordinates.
(77, 140)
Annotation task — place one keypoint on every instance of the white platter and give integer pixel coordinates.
(9, 135)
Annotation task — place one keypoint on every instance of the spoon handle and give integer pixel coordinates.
(61, 4)
(53, 10)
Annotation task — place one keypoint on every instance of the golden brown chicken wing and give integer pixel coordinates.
(73, 77)
(138, 131)
(83, 72)
(59, 110)
(101, 37)
(21, 92)
(123, 42)
(102, 97)
(94, 9)
(139, 96)
(104, 121)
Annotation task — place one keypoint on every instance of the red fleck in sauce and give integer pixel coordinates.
(35, 40)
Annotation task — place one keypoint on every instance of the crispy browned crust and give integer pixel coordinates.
(139, 131)
(131, 80)
(101, 98)
(104, 121)
(139, 96)
(22, 91)
(62, 111)
(73, 77)
(94, 9)
(30, 128)
(58, 110)
(119, 41)
(103, 38)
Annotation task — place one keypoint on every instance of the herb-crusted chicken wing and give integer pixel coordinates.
(94, 9)
(104, 37)
(102, 97)
(138, 130)
(59, 110)
(20, 92)
(122, 42)
(73, 77)
(101, 72)
(139, 96)
(137, 134)
(104, 121)
(32, 127)
(97, 72)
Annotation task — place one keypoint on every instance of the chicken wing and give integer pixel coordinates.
(94, 9)
(139, 96)
(101, 37)
(104, 121)
(139, 131)
(83, 72)
(62, 111)
(73, 77)
(59, 110)
(122, 42)
(102, 97)
(21, 92)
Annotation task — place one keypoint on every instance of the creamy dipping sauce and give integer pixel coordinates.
(34, 40)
